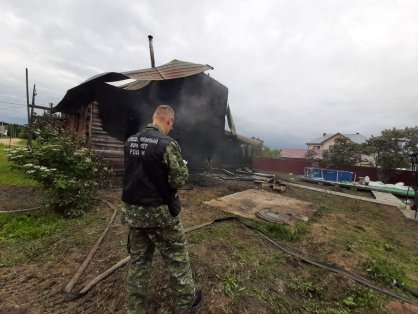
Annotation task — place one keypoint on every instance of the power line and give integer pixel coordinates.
(10, 108)
(11, 103)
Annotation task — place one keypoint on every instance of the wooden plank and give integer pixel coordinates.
(104, 140)
(109, 142)
(40, 107)
(109, 152)
(106, 148)
(98, 131)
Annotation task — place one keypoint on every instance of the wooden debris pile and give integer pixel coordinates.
(263, 180)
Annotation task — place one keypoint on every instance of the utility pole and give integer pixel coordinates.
(31, 116)
(29, 119)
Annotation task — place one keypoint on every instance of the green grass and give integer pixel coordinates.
(360, 299)
(16, 228)
(41, 234)
(10, 176)
(385, 270)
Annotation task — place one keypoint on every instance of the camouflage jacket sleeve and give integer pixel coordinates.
(177, 170)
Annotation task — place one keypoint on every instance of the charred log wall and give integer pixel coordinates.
(198, 101)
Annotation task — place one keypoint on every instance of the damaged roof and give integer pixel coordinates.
(172, 70)
(245, 139)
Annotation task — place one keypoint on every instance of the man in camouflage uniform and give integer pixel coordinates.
(154, 170)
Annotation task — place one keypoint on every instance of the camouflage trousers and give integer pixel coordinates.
(171, 243)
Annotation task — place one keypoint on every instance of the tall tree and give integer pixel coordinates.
(270, 153)
(342, 153)
(311, 154)
(391, 150)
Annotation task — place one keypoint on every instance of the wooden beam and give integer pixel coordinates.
(40, 107)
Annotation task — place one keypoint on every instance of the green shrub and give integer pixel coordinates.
(67, 169)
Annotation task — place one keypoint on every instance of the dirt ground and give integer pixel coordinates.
(7, 141)
(18, 197)
(237, 270)
(249, 203)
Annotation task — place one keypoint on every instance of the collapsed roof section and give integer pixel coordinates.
(172, 70)
(169, 71)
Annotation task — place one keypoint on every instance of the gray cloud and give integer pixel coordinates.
(294, 69)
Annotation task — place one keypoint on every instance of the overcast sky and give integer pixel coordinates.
(294, 69)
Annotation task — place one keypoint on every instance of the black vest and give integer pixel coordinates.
(145, 180)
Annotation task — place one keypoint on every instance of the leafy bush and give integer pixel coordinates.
(67, 169)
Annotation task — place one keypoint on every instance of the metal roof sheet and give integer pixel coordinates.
(321, 139)
(356, 138)
(172, 70)
(245, 139)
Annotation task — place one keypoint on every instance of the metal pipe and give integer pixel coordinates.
(151, 51)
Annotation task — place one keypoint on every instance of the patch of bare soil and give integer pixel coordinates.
(18, 197)
(251, 202)
(402, 308)
(7, 141)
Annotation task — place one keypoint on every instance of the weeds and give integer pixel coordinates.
(229, 283)
(306, 288)
(281, 232)
(24, 237)
(385, 270)
(17, 228)
(361, 299)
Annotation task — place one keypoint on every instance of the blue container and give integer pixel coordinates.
(330, 175)
(316, 173)
(345, 176)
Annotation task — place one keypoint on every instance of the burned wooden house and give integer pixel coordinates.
(106, 115)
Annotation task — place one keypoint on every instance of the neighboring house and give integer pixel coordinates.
(326, 140)
(298, 153)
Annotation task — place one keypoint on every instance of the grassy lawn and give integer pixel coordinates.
(36, 236)
(10, 176)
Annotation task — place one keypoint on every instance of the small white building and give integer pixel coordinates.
(3, 130)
